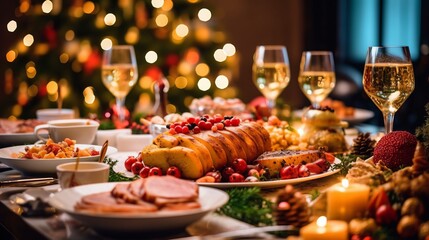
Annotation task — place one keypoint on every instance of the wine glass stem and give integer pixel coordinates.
(271, 103)
(119, 107)
(388, 121)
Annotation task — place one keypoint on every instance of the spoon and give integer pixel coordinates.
(103, 151)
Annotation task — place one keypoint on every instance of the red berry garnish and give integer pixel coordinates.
(129, 162)
(214, 128)
(172, 131)
(196, 129)
(136, 167)
(239, 165)
(235, 121)
(212, 120)
(191, 120)
(155, 171)
(218, 118)
(202, 125)
(219, 126)
(227, 122)
(185, 129)
(174, 171)
(236, 177)
(144, 172)
(208, 125)
(178, 129)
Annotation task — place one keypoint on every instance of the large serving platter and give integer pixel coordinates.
(43, 166)
(209, 198)
(359, 116)
(119, 167)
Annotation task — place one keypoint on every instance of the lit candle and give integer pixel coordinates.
(347, 201)
(323, 229)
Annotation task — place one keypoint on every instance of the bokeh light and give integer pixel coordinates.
(12, 26)
(11, 56)
(110, 19)
(202, 69)
(229, 49)
(157, 3)
(204, 14)
(219, 55)
(181, 82)
(69, 36)
(161, 20)
(52, 87)
(182, 30)
(88, 7)
(28, 40)
(151, 57)
(204, 84)
(47, 6)
(221, 82)
(106, 44)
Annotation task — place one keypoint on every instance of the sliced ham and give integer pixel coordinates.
(169, 187)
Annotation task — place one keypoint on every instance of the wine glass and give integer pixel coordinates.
(316, 75)
(119, 73)
(388, 79)
(271, 72)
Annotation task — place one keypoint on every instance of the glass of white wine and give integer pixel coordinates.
(119, 73)
(388, 79)
(316, 75)
(271, 73)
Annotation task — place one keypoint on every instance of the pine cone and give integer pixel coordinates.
(363, 145)
(291, 208)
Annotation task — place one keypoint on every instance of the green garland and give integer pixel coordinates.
(248, 205)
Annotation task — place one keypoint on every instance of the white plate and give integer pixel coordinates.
(43, 166)
(13, 139)
(210, 200)
(122, 156)
(360, 115)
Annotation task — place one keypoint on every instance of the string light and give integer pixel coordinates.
(161, 20)
(110, 19)
(204, 84)
(229, 49)
(221, 82)
(182, 30)
(28, 40)
(151, 57)
(219, 55)
(181, 82)
(47, 6)
(204, 14)
(12, 26)
(157, 3)
(106, 44)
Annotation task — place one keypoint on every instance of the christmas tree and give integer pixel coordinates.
(60, 44)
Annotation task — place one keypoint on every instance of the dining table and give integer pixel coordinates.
(15, 225)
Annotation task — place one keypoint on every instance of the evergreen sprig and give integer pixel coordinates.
(422, 132)
(346, 163)
(248, 205)
(114, 176)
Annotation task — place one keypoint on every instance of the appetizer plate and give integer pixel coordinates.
(43, 166)
(210, 199)
(360, 115)
(122, 156)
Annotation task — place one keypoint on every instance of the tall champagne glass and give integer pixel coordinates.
(388, 79)
(271, 73)
(119, 73)
(316, 75)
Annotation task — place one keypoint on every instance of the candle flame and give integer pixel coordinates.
(321, 221)
(345, 183)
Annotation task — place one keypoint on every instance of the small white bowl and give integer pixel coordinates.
(49, 114)
(132, 142)
(110, 135)
(86, 173)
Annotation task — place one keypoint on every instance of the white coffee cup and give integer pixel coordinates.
(49, 114)
(86, 173)
(81, 130)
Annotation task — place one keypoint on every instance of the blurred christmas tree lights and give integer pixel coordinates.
(60, 44)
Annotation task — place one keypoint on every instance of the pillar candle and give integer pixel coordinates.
(347, 201)
(323, 229)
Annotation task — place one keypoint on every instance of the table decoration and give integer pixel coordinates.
(347, 201)
(325, 229)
